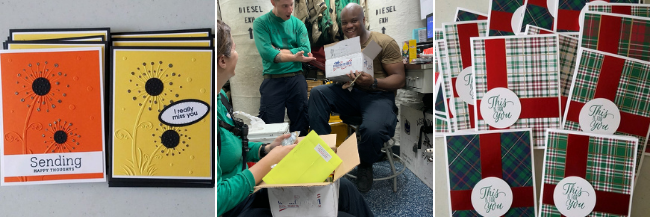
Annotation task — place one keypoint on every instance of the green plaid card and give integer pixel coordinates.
(621, 80)
(639, 10)
(528, 66)
(568, 53)
(537, 14)
(568, 13)
(463, 14)
(502, 16)
(442, 64)
(457, 38)
(606, 162)
(618, 34)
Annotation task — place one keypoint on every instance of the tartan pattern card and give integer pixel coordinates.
(505, 17)
(538, 14)
(441, 55)
(504, 154)
(442, 126)
(463, 14)
(639, 10)
(439, 34)
(457, 36)
(621, 80)
(622, 34)
(527, 66)
(568, 54)
(605, 162)
(569, 12)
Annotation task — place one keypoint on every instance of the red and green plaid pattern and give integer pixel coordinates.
(439, 34)
(463, 15)
(568, 54)
(638, 10)
(442, 125)
(464, 164)
(634, 35)
(610, 165)
(441, 54)
(632, 95)
(537, 16)
(532, 72)
(507, 6)
(455, 64)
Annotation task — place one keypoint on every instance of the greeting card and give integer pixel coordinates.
(181, 33)
(539, 13)
(162, 116)
(505, 17)
(640, 10)
(571, 12)
(52, 116)
(587, 174)
(609, 96)
(167, 42)
(568, 54)
(491, 173)
(459, 58)
(617, 34)
(463, 14)
(517, 83)
(39, 34)
(442, 126)
(441, 54)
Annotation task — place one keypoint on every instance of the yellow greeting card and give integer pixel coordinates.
(182, 33)
(164, 42)
(162, 113)
(40, 34)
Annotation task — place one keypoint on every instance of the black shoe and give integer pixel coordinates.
(364, 178)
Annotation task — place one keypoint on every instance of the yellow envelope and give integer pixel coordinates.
(312, 160)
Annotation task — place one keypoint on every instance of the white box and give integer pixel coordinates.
(411, 120)
(305, 201)
(345, 56)
(268, 133)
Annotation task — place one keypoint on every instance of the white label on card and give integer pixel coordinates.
(500, 107)
(574, 196)
(465, 85)
(550, 4)
(323, 153)
(600, 116)
(515, 22)
(491, 197)
(581, 18)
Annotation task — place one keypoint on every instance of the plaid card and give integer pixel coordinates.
(621, 34)
(568, 13)
(459, 54)
(537, 14)
(501, 14)
(640, 10)
(624, 81)
(442, 126)
(441, 54)
(505, 154)
(568, 53)
(606, 162)
(526, 65)
(463, 14)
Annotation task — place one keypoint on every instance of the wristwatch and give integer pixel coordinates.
(374, 85)
(263, 151)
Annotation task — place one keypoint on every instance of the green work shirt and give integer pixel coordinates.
(233, 184)
(271, 31)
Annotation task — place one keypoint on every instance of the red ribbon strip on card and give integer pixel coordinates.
(576, 165)
(609, 36)
(501, 21)
(621, 9)
(538, 3)
(465, 32)
(497, 76)
(568, 20)
(607, 86)
(491, 166)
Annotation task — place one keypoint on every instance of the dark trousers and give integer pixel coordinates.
(377, 110)
(351, 203)
(288, 92)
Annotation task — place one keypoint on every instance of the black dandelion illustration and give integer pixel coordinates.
(42, 88)
(61, 137)
(154, 85)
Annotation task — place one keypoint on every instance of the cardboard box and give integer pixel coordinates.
(302, 199)
(345, 56)
(411, 120)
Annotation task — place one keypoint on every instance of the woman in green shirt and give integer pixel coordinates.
(235, 181)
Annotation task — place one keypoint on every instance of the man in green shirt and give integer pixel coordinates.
(283, 43)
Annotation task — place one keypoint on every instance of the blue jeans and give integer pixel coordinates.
(351, 203)
(377, 110)
(288, 92)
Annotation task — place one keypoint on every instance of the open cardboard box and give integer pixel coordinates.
(345, 56)
(314, 199)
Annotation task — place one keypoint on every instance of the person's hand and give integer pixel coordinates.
(277, 142)
(278, 153)
(298, 57)
(364, 80)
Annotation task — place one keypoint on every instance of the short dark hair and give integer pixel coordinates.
(224, 39)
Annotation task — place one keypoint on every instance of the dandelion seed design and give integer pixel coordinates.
(60, 137)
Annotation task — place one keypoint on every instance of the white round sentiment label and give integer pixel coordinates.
(491, 197)
(500, 107)
(517, 16)
(465, 85)
(574, 197)
(600, 116)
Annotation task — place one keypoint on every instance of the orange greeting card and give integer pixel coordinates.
(52, 118)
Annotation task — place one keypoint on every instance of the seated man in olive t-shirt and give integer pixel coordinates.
(373, 99)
